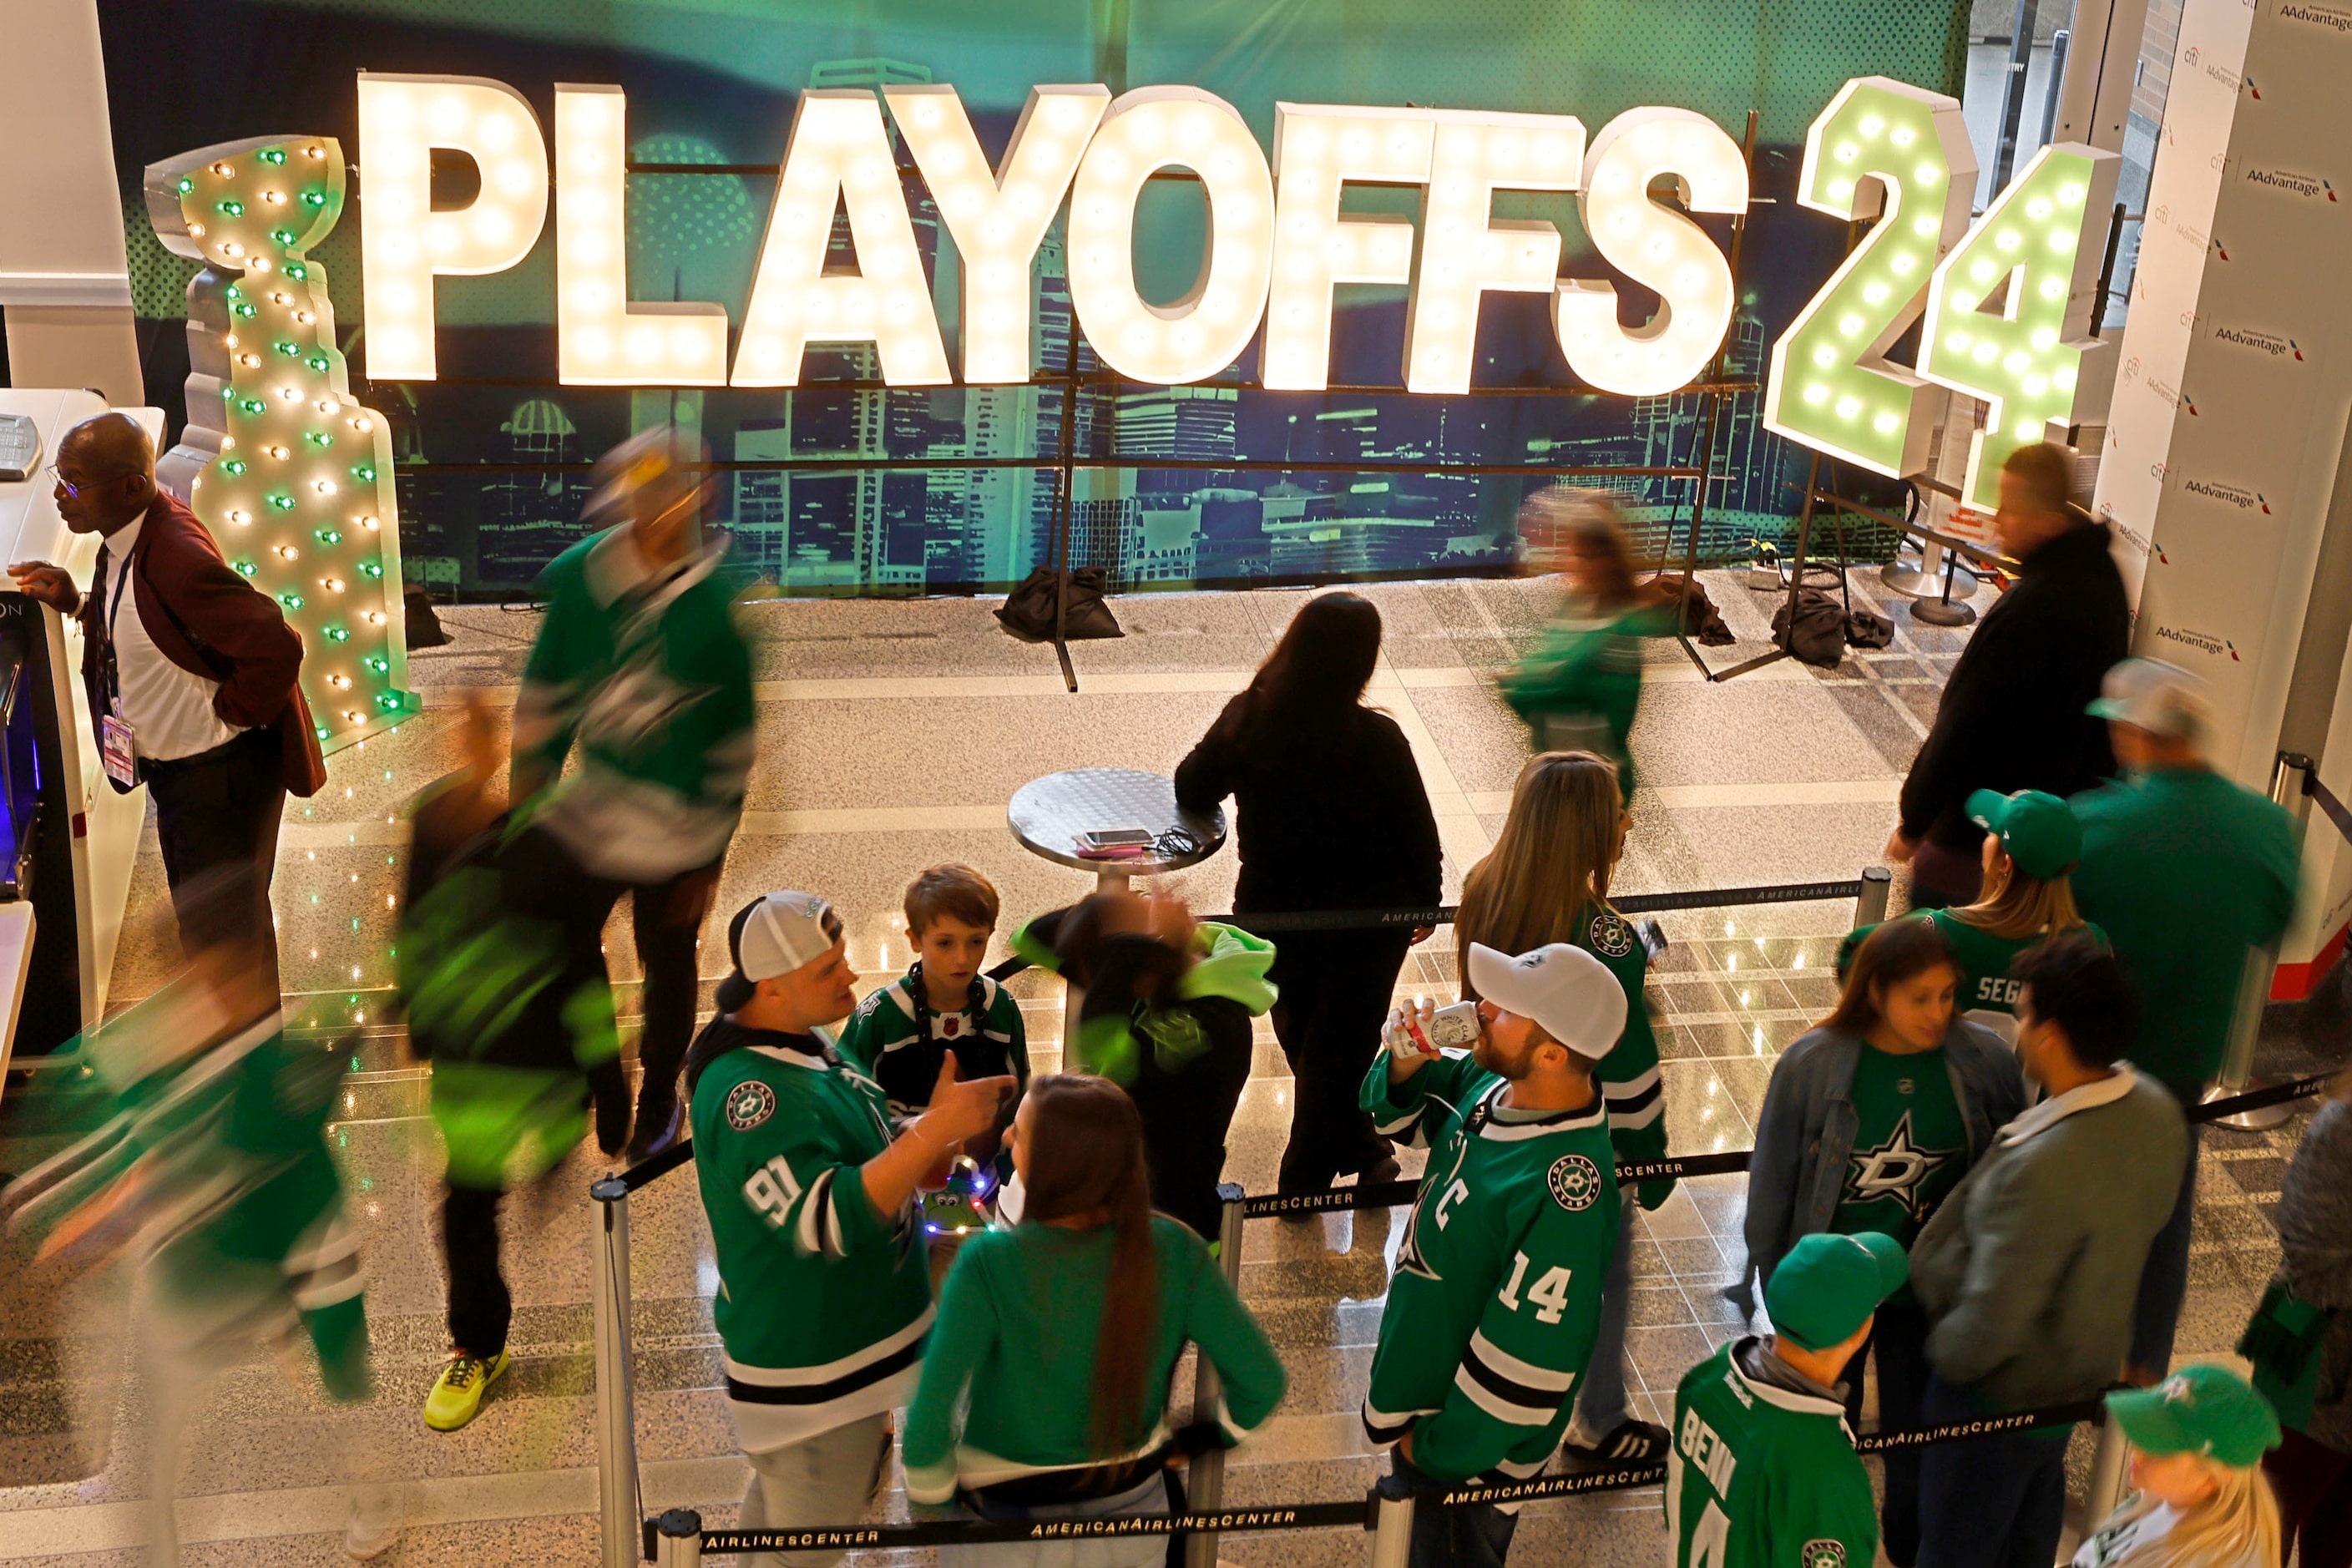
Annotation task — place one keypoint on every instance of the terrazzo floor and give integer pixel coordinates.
(1785, 774)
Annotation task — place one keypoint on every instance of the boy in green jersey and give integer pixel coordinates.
(1763, 1472)
(1497, 1297)
(825, 1293)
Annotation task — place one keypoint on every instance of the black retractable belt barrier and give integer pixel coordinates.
(1349, 1515)
(2255, 1099)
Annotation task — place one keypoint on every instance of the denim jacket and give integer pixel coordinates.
(1805, 1133)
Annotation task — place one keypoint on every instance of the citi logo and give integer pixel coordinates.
(2269, 343)
(2131, 369)
(2228, 495)
(2307, 187)
(2189, 58)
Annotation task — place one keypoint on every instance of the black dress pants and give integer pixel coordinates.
(543, 880)
(1335, 989)
(220, 809)
(479, 1306)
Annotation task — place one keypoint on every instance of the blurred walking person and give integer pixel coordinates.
(210, 1173)
(2188, 874)
(2012, 714)
(2300, 1340)
(1330, 814)
(1044, 1389)
(640, 663)
(1580, 687)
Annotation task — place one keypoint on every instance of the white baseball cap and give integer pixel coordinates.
(2149, 694)
(776, 933)
(1569, 994)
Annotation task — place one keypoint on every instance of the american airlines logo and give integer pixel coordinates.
(2228, 495)
(2269, 343)
(2203, 642)
(2308, 186)
(2335, 18)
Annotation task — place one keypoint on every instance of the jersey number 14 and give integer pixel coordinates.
(1548, 1295)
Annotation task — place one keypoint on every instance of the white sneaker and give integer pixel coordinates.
(374, 1523)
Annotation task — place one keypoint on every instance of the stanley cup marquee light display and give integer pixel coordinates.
(298, 495)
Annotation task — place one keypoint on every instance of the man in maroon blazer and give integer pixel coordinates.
(190, 672)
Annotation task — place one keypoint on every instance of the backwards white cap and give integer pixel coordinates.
(1570, 994)
(776, 933)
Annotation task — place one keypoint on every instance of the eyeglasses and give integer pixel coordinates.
(76, 490)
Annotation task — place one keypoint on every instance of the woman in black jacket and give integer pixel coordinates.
(1332, 815)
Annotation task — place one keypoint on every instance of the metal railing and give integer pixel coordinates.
(677, 1537)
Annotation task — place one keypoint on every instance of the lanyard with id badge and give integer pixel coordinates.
(117, 741)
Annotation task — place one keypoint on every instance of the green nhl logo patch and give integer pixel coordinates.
(749, 1104)
(1822, 1554)
(1611, 936)
(1575, 1183)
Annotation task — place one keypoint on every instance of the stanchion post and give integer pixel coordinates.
(677, 1539)
(2106, 1476)
(1391, 1523)
(616, 1424)
(1205, 1484)
(1870, 904)
(2288, 777)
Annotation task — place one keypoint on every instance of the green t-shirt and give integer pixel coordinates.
(1910, 1148)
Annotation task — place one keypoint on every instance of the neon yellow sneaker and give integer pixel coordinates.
(457, 1396)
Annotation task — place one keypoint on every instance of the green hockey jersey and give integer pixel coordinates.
(883, 1041)
(1629, 1073)
(1985, 985)
(1496, 1297)
(1763, 1477)
(822, 1304)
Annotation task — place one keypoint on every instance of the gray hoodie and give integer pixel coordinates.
(2029, 1271)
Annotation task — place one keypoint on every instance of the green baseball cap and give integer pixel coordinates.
(1827, 1285)
(2037, 830)
(2200, 1409)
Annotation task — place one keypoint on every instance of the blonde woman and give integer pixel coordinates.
(2030, 846)
(1546, 880)
(2198, 1440)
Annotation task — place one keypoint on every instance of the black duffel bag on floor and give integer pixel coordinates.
(1028, 611)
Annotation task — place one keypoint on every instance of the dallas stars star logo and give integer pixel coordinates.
(1897, 1169)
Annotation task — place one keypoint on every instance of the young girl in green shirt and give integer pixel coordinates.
(1045, 1388)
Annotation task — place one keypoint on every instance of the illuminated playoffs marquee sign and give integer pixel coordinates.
(2005, 303)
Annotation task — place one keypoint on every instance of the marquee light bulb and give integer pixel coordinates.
(1199, 334)
(2028, 351)
(997, 218)
(1319, 150)
(591, 285)
(404, 243)
(1921, 198)
(794, 300)
(1458, 269)
(1657, 247)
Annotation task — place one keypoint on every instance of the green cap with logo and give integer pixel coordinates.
(2037, 830)
(2200, 1409)
(1828, 1285)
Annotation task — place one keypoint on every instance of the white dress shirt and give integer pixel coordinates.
(169, 709)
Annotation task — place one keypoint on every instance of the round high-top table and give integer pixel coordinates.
(1046, 814)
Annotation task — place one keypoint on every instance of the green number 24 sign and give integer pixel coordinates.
(2008, 302)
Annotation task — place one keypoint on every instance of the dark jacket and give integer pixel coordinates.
(1805, 1132)
(2314, 1224)
(211, 622)
(2012, 715)
(1331, 815)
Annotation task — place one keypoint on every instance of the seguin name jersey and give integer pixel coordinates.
(1761, 1477)
(1497, 1297)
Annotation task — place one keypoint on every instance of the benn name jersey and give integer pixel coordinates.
(1761, 1477)
(1497, 1297)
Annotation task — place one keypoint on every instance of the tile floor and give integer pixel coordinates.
(1784, 775)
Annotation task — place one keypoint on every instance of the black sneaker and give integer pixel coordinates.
(1631, 1442)
(658, 1127)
